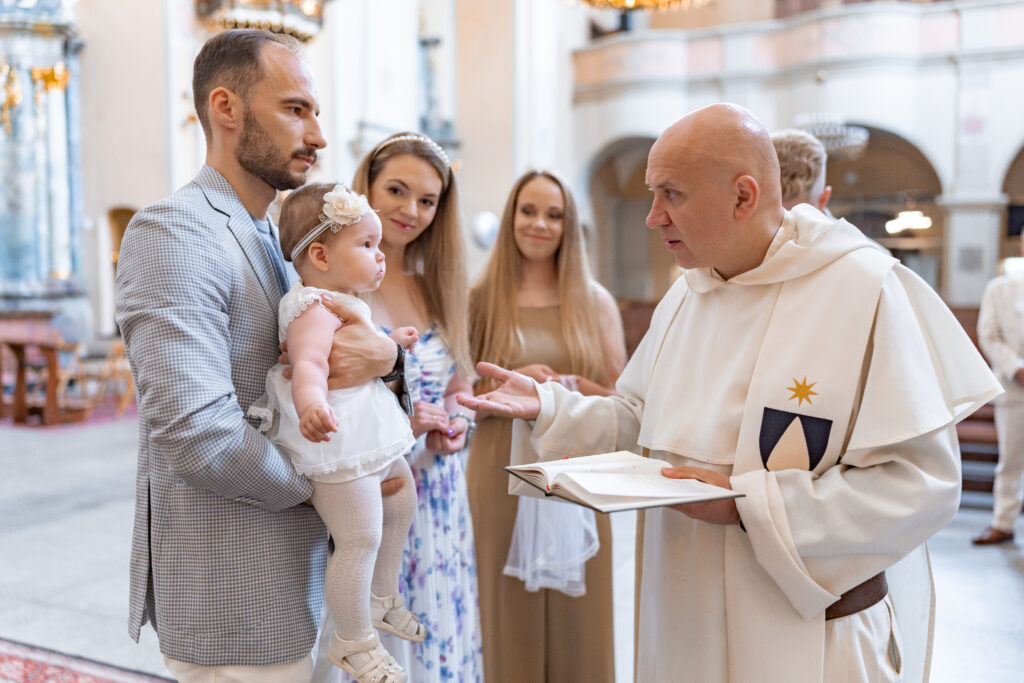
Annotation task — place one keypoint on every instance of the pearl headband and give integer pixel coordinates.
(342, 207)
(437, 149)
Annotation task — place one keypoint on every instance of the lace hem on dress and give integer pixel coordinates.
(263, 414)
(387, 452)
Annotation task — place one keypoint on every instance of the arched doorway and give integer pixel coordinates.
(1013, 187)
(630, 259)
(891, 176)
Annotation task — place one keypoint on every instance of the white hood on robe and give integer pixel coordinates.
(807, 241)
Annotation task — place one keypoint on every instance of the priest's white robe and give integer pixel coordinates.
(839, 339)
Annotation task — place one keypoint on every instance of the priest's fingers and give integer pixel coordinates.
(496, 404)
(713, 512)
(699, 473)
(483, 405)
(495, 372)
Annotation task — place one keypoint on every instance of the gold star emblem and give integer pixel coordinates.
(802, 391)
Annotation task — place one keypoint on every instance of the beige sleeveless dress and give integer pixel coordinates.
(544, 635)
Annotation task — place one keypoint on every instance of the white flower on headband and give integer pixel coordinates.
(344, 206)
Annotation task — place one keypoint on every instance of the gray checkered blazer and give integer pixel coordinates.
(225, 564)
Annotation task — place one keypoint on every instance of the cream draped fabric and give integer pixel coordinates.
(721, 604)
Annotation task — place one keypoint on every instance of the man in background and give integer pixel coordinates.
(1001, 336)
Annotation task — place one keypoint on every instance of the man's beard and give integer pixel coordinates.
(258, 155)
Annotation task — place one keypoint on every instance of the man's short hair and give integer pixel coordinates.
(231, 59)
(802, 160)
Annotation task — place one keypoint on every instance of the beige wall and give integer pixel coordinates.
(124, 124)
(484, 107)
(124, 103)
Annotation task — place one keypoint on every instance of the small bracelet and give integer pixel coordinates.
(468, 419)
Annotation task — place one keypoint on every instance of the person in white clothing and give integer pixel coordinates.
(1001, 335)
(332, 236)
(798, 364)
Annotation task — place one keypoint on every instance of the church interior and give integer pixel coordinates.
(917, 103)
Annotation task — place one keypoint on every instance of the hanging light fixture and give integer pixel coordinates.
(645, 4)
(300, 18)
(841, 140)
(908, 220)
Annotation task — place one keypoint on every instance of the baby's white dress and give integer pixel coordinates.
(372, 428)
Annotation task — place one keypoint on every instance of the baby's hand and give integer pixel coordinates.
(317, 422)
(405, 337)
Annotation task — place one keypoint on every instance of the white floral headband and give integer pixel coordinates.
(342, 207)
(437, 149)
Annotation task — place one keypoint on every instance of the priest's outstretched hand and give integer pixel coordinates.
(515, 396)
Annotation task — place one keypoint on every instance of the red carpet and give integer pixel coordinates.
(25, 664)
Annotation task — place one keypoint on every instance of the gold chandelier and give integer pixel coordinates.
(645, 4)
(300, 18)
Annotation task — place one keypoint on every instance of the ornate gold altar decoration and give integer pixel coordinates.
(49, 78)
(12, 94)
(646, 4)
(300, 18)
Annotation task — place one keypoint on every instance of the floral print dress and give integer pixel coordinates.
(439, 566)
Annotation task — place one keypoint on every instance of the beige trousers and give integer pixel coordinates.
(1008, 489)
(864, 646)
(293, 672)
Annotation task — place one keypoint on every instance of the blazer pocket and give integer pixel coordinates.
(207, 582)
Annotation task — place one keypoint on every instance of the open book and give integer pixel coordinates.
(610, 482)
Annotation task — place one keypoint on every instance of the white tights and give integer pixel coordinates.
(369, 533)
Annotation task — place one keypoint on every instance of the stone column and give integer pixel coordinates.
(973, 229)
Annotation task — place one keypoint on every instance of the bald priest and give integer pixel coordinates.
(798, 364)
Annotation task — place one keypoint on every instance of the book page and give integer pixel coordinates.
(644, 485)
(609, 482)
(571, 490)
(619, 461)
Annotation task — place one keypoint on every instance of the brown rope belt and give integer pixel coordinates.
(859, 597)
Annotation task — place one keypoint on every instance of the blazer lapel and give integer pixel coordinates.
(222, 197)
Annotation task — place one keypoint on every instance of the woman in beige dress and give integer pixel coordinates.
(537, 309)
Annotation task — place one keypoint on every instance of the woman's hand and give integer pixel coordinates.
(317, 422)
(539, 372)
(428, 417)
(451, 440)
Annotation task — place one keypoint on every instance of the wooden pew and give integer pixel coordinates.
(51, 409)
(28, 336)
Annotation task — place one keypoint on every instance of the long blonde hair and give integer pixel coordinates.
(435, 258)
(493, 310)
